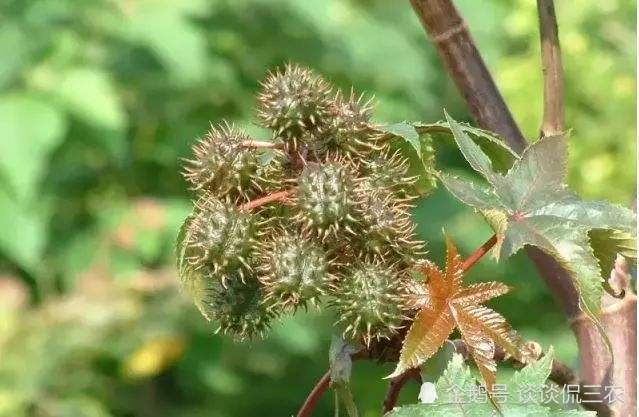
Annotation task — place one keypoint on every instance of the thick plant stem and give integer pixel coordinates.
(450, 35)
(315, 395)
(281, 196)
(553, 121)
(456, 47)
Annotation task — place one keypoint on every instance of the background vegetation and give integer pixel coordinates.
(100, 98)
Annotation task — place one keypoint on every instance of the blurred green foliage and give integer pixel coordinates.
(100, 98)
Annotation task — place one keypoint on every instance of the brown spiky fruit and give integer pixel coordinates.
(224, 166)
(219, 238)
(294, 103)
(369, 301)
(385, 227)
(294, 270)
(326, 198)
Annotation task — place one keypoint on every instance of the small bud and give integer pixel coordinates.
(219, 237)
(294, 101)
(369, 301)
(293, 270)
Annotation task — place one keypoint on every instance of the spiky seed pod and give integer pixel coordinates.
(293, 101)
(348, 129)
(369, 301)
(294, 270)
(219, 238)
(385, 227)
(224, 165)
(326, 199)
(389, 171)
(238, 307)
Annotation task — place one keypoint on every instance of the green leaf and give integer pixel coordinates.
(530, 205)
(30, 130)
(500, 154)
(24, 231)
(534, 374)
(456, 383)
(418, 149)
(90, 95)
(168, 30)
(416, 142)
(405, 131)
(608, 243)
(340, 361)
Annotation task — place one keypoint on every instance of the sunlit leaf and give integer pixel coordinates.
(531, 206)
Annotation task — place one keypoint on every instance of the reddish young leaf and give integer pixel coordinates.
(445, 304)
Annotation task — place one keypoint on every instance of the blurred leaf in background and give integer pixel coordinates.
(99, 100)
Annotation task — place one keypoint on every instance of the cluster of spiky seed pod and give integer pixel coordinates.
(319, 212)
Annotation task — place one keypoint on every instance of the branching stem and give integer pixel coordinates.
(553, 121)
(261, 144)
(477, 255)
(281, 196)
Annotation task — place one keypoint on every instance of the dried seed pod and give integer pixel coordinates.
(238, 307)
(223, 165)
(369, 299)
(294, 270)
(385, 227)
(294, 101)
(326, 198)
(219, 237)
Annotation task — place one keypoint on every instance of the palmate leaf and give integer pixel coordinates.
(445, 304)
(456, 384)
(415, 141)
(530, 205)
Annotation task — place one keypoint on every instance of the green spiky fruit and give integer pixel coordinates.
(385, 227)
(326, 198)
(293, 102)
(224, 165)
(219, 238)
(389, 171)
(237, 308)
(348, 130)
(294, 270)
(369, 301)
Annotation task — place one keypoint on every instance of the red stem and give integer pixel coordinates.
(314, 396)
(481, 251)
(396, 386)
(281, 196)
